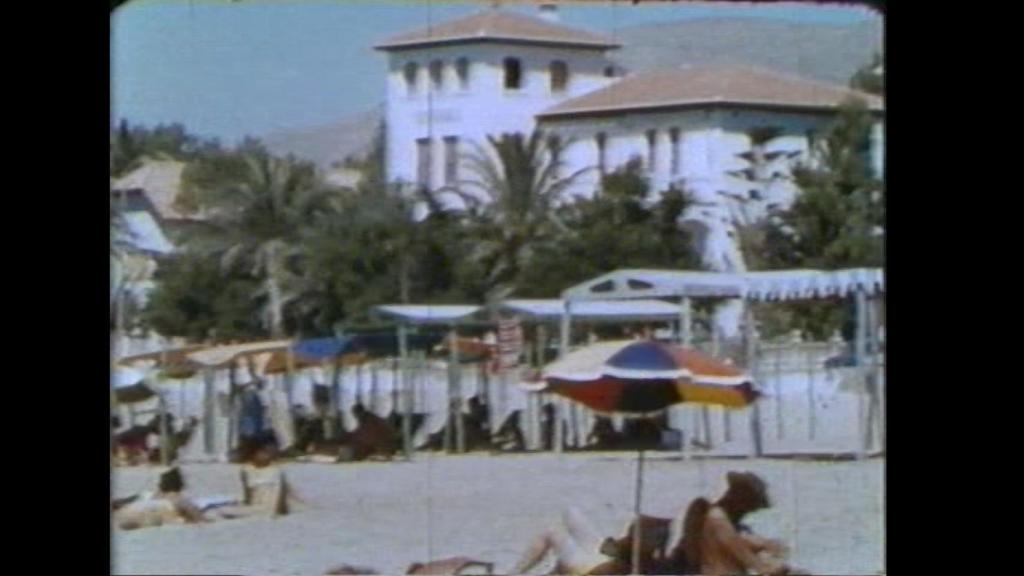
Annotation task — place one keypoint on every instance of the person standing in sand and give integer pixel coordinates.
(165, 506)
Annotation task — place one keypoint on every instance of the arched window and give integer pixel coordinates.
(462, 71)
(559, 76)
(513, 74)
(411, 72)
(437, 74)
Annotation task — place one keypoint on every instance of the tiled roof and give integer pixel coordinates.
(497, 25)
(705, 85)
(160, 180)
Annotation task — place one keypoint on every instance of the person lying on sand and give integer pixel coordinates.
(165, 506)
(579, 549)
(714, 541)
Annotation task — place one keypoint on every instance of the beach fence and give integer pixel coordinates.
(811, 404)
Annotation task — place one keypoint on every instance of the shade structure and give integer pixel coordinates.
(469, 349)
(644, 377)
(173, 363)
(130, 386)
(220, 356)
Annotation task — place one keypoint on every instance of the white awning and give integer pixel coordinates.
(220, 355)
(768, 285)
(595, 311)
(428, 314)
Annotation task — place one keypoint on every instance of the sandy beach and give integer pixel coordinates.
(388, 515)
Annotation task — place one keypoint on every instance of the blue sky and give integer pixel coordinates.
(228, 69)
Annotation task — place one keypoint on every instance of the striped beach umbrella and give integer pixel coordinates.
(644, 377)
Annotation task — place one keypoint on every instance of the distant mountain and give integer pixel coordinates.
(830, 53)
(826, 52)
(329, 143)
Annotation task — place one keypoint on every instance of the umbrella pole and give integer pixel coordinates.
(164, 435)
(407, 391)
(636, 512)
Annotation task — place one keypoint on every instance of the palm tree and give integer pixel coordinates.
(255, 219)
(518, 184)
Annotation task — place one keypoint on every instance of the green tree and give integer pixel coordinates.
(871, 78)
(620, 226)
(255, 218)
(837, 220)
(513, 192)
(196, 298)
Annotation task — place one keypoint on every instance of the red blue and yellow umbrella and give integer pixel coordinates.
(638, 378)
(643, 377)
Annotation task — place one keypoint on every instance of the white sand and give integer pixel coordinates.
(388, 515)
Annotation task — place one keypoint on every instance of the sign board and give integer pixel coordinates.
(510, 343)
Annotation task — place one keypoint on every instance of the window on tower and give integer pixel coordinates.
(652, 141)
(602, 145)
(559, 76)
(437, 74)
(673, 137)
(411, 73)
(462, 71)
(424, 162)
(451, 159)
(513, 74)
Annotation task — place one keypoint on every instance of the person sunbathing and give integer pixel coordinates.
(165, 506)
(579, 549)
(715, 543)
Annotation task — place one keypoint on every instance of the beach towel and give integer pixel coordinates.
(206, 503)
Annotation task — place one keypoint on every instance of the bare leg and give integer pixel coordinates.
(581, 528)
(573, 555)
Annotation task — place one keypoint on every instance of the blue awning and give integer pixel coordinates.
(379, 344)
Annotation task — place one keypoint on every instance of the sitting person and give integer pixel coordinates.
(265, 489)
(603, 435)
(510, 435)
(374, 436)
(715, 543)
(165, 506)
(579, 549)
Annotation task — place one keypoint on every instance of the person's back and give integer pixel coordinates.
(722, 548)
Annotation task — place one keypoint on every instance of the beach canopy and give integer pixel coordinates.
(595, 311)
(219, 356)
(765, 285)
(130, 386)
(356, 346)
(429, 314)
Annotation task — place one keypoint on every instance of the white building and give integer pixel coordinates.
(497, 71)
(494, 72)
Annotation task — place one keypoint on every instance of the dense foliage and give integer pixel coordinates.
(280, 251)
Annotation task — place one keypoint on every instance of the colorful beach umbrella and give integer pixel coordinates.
(644, 377)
